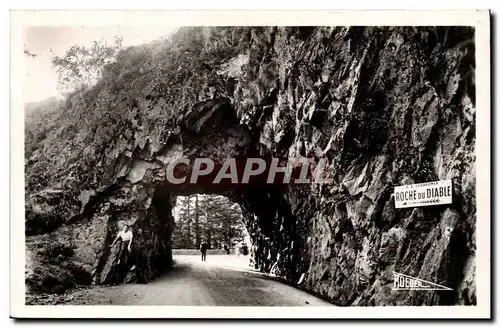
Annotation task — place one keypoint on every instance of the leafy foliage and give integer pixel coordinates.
(56, 270)
(75, 143)
(220, 222)
(83, 66)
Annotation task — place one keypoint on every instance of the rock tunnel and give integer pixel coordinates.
(143, 200)
(385, 106)
(267, 213)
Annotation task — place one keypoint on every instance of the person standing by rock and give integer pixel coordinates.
(125, 236)
(203, 249)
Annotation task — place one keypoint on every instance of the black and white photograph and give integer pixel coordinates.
(327, 168)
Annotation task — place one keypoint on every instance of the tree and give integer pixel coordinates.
(187, 239)
(217, 220)
(83, 66)
(182, 236)
(197, 223)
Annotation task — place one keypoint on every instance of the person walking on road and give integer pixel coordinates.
(203, 249)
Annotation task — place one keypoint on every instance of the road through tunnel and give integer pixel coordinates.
(275, 243)
(151, 191)
(380, 106)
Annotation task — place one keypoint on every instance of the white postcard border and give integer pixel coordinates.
(479, 19)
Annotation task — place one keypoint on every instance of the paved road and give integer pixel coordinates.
(192, 282)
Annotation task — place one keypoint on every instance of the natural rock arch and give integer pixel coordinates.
(213, 132)
(386, 105)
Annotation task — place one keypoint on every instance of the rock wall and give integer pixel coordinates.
(385, 106)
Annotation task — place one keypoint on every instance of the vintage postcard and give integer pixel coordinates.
(250, 164)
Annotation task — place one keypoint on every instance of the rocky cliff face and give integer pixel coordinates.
(385, 106)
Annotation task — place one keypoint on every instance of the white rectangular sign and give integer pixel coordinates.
(423, 194)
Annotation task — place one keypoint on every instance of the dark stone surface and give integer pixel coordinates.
(385, 106)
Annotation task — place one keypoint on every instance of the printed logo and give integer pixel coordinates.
(404, 282)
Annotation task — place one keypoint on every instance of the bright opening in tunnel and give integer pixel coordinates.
(212, 221)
